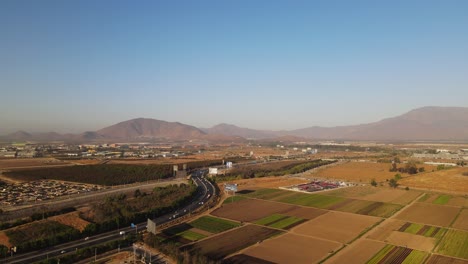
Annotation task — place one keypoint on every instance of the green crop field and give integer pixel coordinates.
(362, 207)
(394, 254)
(423, 230)
(265, 194)
(312, 200)
(280, 221)
(270, 219)
(415, 257)
(213, 224)
(442, 199)
(191, 235)
(454, 243)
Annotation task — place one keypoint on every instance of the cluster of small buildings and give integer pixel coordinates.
(20, 193)
(461, 154)
(318, 185)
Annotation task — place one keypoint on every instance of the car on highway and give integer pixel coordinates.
(63, 251)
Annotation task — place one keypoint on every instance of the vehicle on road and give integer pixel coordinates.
(122, 233)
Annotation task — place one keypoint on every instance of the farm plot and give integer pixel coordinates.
(442, 199)
(377, 194)
(280, 221)
(423, 230)
(291, 248)
(362, 207)
(312, 200)
(451, 181)
(430, 214)
(462, 220)
(358, 252)
(454, 243)
(242, 258)
(438, 259)
(394, 254)
(232, 241)
(248, 210)
(336, 226)
(213, 224)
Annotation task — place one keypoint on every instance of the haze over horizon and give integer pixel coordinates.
(75, 66)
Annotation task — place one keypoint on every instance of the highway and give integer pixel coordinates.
(205, 191)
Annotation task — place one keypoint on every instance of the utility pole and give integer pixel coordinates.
(95, 254)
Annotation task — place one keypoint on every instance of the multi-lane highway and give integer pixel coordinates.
(205, 191)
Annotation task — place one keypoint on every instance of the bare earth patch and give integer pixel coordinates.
(358, 252)
(462, 220)
(291, 248)
(412, 241)
(336, 226)
(251, 209)
(71, 219)
(431, 214)
(4, 240)
(357, 172)
(384, 230)
(377, 194)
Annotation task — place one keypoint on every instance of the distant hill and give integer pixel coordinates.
(232, 130)
(426, 123)
(145, 128)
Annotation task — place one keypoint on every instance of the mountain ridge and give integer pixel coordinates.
(430, 123)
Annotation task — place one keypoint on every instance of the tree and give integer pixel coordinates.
(373, 183)
(393, 183)
(398, 176)
(421, 169)
(411, 167)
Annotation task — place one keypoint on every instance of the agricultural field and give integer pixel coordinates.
(268, 182)
(449, 180)
(362, 172)
(213, 224)
(231, 241)
(280, 221)
(438, 259)
(242, 258)
(249, 210)
(444, 199)
(291, 248)
(377, 194)
(394, 254)
(455, 244)
(336, 226)
(358, 252)
(462, 220)
(430, 214)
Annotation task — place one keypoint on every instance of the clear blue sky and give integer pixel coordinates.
(71, 66)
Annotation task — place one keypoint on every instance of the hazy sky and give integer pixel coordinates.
(71, 66)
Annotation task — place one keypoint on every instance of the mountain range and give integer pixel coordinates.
(422, 124)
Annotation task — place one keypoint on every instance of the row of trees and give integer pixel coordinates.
(262, 170)
(411, 167)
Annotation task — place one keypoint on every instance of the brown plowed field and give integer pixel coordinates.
(336, 226)
(242, 258)
(218, 247)
(377, 194)
(359, 172)
(450, 180)
(71, 219)
(248, 210)
(4, 240)
(268, 182)
(291, 248)
(382, 231)
(359, 252)
(438, 259)
(462, 220)
(412, 241)
(430, 214)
